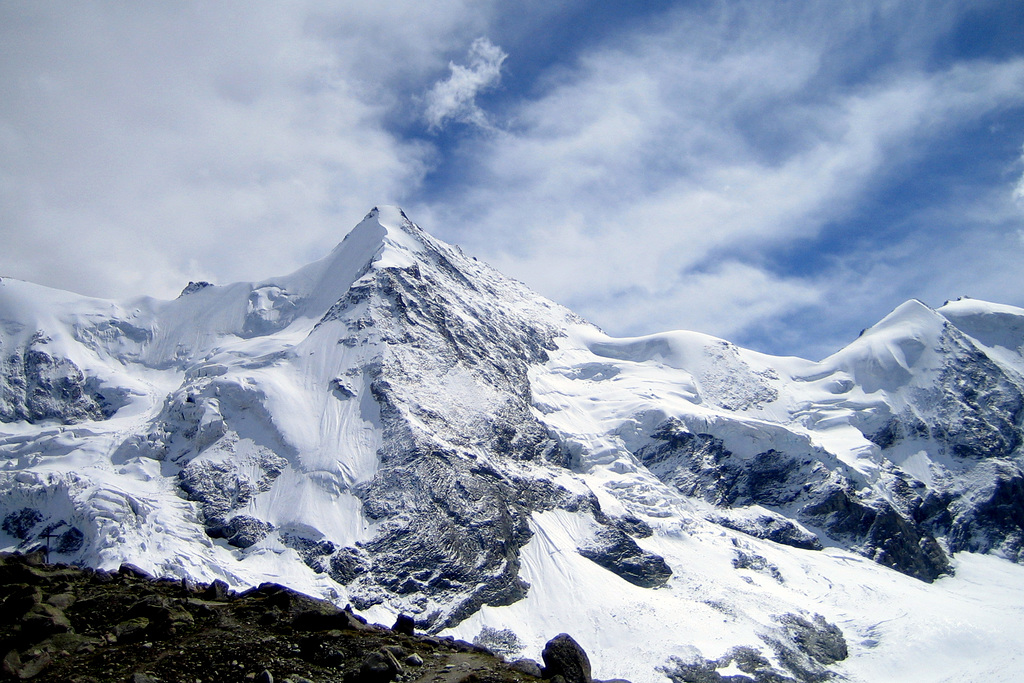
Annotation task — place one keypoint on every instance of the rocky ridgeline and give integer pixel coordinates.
(64, 623)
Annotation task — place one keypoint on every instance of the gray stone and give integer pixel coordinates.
(129, 569)
(404, 624)
(44, 620)
(312, 620)
(61, 600)
(218, 591)
(564, 657)
(16, 667)
(21, 599)
(131, 630)
(821, 641)
(527, 666)
(396, 651)
(164, 615)
(379, 667)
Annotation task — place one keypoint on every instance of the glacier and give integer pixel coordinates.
(401, 428)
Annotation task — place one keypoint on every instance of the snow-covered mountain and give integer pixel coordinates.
(400, 427)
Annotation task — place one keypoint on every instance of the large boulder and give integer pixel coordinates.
(564, 657)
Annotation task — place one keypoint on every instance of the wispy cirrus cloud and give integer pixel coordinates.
(455, 97)
(701, 149)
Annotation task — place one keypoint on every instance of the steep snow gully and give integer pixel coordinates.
(401, 428)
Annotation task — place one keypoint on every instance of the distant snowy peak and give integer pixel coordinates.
(205, 317)
(914, 338)
(385, 238)
(994, 325)
(989, 324)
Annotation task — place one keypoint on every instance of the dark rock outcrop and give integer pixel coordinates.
(36, 386)
(808, 482)
(564, 657)
(802, 647)
(878, 531)
(771, 528)
(618, 553)
(452, 516)
(21, 522)
(194, 287)
(994, 518)
(404, 624)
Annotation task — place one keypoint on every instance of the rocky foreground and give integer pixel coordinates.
(64, 623)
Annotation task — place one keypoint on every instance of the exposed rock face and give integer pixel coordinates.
(993, 518)
(451, 509)
(194, 287)
(978, 406)
(803, 648)
(617, 552)
(20, 523)
(807, 482)
(967, 413)
(34, 529)
(821, 641)
(36, 386)
(771, 527)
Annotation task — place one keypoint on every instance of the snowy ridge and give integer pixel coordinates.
(400, 427)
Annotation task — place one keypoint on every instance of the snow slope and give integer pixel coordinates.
(401, 427)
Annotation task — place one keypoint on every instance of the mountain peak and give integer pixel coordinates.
(989, 323)
(389, 215)
(913, 311)
(386, 237)
(402, 237)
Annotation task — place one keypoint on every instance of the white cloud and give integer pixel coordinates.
(145, 144)
(455, 98)
(705, 142)
(722, 301)
(1018, 190)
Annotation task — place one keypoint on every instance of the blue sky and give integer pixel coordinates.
(781, 174)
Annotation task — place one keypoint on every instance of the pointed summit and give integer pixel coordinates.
(399, 240)
(385, 238)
